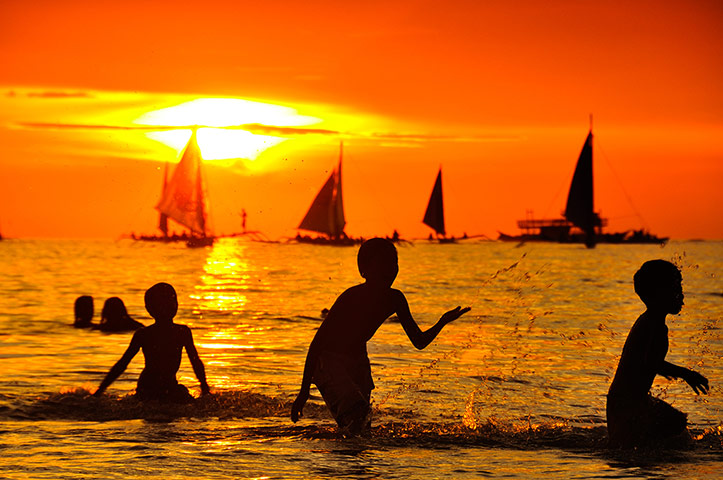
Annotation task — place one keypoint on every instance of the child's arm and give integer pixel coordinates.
(697, 382)
(303, 396)
(196, 362)
(420, 339)
(120, 365)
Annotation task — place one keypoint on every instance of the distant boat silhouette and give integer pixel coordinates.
(580, 222)
(434, 215)
(183, 200)
(326, 213)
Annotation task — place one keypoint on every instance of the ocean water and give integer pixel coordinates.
(514, 389)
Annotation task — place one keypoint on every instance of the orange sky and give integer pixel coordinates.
(498, 93)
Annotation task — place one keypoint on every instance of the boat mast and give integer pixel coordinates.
(163, 218)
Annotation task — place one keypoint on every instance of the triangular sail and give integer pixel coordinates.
(326, 214)
(434, 216)
(580, 209)
(163, 218)
(182, 199)
(339, 220)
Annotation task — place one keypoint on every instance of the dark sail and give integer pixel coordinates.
(434, 216)
(326, 214)
(580, 209)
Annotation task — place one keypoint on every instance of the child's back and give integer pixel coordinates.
(162, 344)
(355, 316)
(162, 347)
(643, 354)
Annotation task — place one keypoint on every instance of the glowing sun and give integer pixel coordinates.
(221, 135)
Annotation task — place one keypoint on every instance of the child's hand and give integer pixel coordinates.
(298, 406)
(697, 382)
(453, 315)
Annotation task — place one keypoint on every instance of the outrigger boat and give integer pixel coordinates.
(434, 215)
(183, 201)
(580, 222)
(326, 214)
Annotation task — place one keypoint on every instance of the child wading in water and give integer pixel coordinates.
(635, 417)
(337, 361)
(162, 344)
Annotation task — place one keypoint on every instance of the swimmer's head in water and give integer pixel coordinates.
(161, 302)
(377, 261)
(114, 309)
(658, 283)
(83, 310)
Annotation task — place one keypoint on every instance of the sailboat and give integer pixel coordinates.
(580, 222)
(326, 213)
(434, 215)
(183, 200)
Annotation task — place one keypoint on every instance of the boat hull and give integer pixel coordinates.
(634, 237)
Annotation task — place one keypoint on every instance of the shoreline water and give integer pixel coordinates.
(528, 367)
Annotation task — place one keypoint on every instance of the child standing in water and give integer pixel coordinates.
(634, 416)
(162, 344)
(337, 361)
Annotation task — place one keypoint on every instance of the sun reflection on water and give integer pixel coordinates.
(226, 276)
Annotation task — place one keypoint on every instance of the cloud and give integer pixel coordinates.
(80, 126)
(51, 94)
(389, 138)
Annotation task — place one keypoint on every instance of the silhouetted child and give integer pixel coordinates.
(162, 344)
(114, 317)
(83, 312)
(636, 418)
(337, 361)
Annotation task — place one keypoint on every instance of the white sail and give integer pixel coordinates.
(182, 199)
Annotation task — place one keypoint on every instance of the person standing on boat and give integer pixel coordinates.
(636, 418)
(337, 361)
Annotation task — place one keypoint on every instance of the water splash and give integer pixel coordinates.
(79, 404)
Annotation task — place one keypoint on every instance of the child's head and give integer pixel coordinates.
(113, 310)
(83, 310)
(377, 261)
(658, 283)
(161, 302)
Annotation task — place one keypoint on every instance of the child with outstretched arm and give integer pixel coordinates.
(162, 344)
(337, 361)
(635, 417)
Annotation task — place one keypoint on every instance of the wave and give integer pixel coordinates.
(561, 433)
(79, 404)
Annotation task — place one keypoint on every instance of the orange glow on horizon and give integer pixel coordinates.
(498, 94)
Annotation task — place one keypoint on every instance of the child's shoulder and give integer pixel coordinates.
(364, 290)
(181, 327)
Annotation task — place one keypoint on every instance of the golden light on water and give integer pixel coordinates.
(225, 277)
(224, 346)
(224, 137)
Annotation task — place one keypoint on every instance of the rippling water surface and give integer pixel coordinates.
(516, 388)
